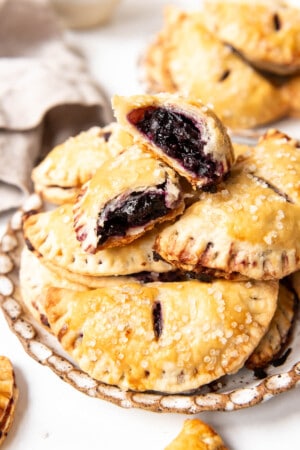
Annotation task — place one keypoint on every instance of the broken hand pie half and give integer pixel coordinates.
(59, 177)
(188, 59)
(168, 337)
(247, 227)
(51, 236)
(196, 435)
(266, 33)
(182, 132)
(126, 197)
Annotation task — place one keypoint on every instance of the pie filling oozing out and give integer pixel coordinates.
(134, 210)
(179, 137)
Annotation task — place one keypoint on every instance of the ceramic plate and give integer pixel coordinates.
(242, 390)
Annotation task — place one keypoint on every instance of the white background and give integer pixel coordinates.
(51, 414)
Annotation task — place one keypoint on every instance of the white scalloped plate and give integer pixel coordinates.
(232, 392)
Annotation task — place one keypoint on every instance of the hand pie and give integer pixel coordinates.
(8, 396)
(167, 337)
(266, 33)
(184, 133)
(50, 235)
(275, 338)
(187, 59)
(196, 435)
(127, 196)
(246, 227)
(276, 160)
(61, 174)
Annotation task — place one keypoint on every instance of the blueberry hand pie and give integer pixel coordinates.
(50, 235)
(182, 132)
(196, 435)
(266, 33)
(61, 174)
(168, 337)
(188, 59)
(127, 196)
(248, 227)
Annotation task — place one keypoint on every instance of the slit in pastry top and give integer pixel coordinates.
(125, 198)
(184, 133)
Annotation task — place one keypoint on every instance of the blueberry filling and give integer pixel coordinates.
(157, 319)
(178, 136)
(276, 22)
(138, 209)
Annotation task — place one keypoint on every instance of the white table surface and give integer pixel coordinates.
(51, 414)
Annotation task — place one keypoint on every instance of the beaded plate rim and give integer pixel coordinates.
(36, 344)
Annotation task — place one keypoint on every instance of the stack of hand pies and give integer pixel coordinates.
(241, 56)
(160, 269)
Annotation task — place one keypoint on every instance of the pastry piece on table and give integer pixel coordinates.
(196, 435)
(275, 338)
(125, 198)
(59, 177)
(187, 59)
(8, 396)
(168, 337)
(182, 132)
(51, 236)
(265, 33)
(247, 227)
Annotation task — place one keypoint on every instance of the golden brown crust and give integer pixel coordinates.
(197, 435)
(145, 337)
(266, 33)
(50, 235)
(276, 160)
(217, 144)
(112, 186)
(35, 277)
(246, 227)
(278, 331)
(59, 177)
(291, 90)
(193, 62)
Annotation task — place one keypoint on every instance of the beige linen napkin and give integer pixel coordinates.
(46, 93)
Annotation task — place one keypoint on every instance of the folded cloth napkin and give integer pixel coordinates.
(46, 93)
